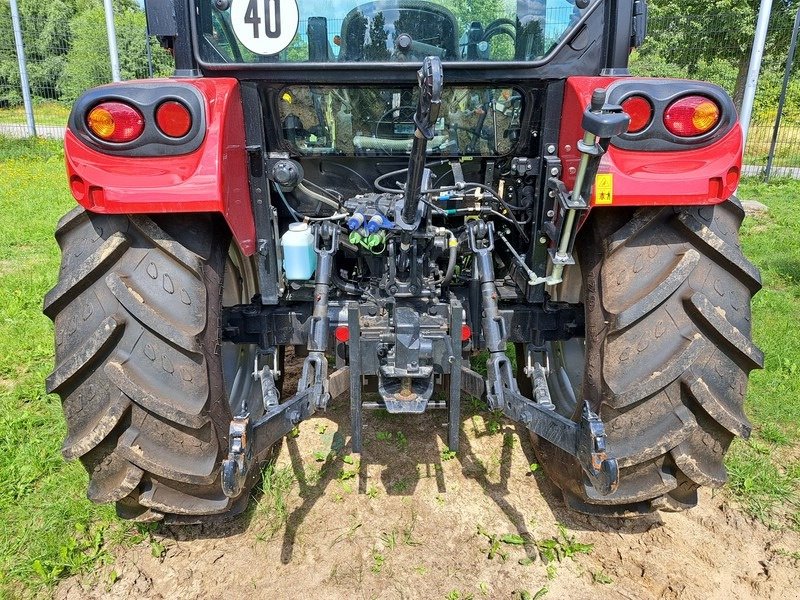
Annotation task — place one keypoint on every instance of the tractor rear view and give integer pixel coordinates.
(392, 188)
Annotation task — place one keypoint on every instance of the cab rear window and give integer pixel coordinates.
(344, 31)
(473, 121)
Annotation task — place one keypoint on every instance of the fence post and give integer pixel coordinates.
(755, 66)
(782, 99)
(112, 40)
(149, 50)
(23, 69)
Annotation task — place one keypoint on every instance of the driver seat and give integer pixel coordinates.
(433, 29)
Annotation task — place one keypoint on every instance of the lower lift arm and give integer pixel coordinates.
(248, 439)
(585, 439)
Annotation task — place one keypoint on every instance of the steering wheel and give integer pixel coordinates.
(405, 112)
(499, 27)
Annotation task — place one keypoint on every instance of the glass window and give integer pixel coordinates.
(297, 31)
(478, 121)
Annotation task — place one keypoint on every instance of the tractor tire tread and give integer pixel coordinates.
(670, 332)
(136, 361)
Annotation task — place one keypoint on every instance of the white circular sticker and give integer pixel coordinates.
(265, 26)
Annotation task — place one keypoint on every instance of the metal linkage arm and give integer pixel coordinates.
(315, 367)
(585, 440)
(248, 441)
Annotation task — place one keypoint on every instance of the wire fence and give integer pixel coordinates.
(714, 45)
(67, 53)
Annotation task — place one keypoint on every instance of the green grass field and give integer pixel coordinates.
(51, 531)
(44, 113)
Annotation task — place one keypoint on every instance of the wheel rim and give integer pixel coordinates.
(565, 360)
(239, 360)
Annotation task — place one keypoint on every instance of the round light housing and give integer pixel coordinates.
(691, 116)
(342, 334)
(640, 111)
(466, 333)
(115, 122)
(173, 119)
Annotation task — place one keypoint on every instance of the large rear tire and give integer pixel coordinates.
(147, 389)
(667, 354)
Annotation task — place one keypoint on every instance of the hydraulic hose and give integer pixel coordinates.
(451, 261)
(317, 196)
(345, 286)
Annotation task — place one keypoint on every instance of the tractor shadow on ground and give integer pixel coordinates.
(574, 520)
(402, 450)
(391, 444)
(473, 467)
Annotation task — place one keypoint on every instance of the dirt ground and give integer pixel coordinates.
(416, 522)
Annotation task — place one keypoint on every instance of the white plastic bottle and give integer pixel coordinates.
(299, 258)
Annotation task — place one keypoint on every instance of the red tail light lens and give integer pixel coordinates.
(173, 119)
(640, 111)
(691, 116)
(342, 334)
(466, 333)
(115, 122)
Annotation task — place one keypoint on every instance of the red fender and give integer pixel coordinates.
(212, 178)
(702, 175)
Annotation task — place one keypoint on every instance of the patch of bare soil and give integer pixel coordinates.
(407, 526)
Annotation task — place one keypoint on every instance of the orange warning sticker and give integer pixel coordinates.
(604, 188)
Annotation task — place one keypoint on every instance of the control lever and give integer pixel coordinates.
(431, 82)
(601, 122)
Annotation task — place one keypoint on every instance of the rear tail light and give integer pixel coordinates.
(466, 333)
(640, 111)
(691, 116)
(115, 122)
(342, 334)
(173, 119)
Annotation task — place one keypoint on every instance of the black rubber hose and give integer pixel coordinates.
(451, 264)
(347, 287)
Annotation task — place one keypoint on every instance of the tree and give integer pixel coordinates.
(46, 40)
(88, 64)
(67, 49)
(689, 33)
(377, 50)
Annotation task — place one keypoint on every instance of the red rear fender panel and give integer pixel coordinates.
(705, 175)
(212, 178)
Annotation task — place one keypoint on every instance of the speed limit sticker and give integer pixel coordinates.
(265, 26)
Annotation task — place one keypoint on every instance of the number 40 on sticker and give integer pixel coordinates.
(272, 17)
(265, 26)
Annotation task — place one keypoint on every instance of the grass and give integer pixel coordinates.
(51, 531)
(276, 484)
(765, 471)
(44, 113)
(759, 139)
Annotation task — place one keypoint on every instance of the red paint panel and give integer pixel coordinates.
(213, 178)
(706, 175)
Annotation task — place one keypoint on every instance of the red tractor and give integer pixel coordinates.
(392, 187)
